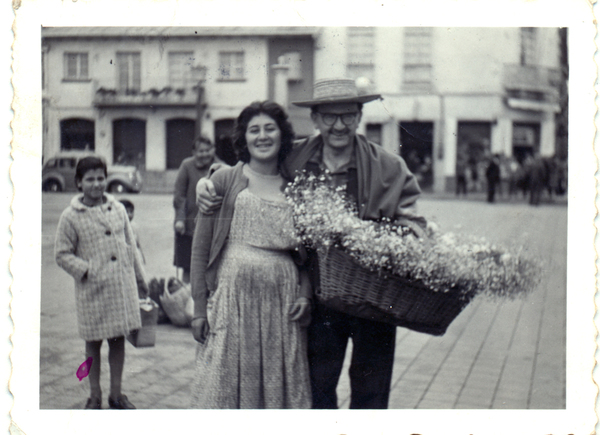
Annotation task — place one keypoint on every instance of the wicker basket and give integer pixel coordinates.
(347, 287)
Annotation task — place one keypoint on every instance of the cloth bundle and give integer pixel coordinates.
(176, 300)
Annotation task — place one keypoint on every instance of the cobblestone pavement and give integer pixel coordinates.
(496, 355)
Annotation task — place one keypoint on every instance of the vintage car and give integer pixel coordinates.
(58, 175)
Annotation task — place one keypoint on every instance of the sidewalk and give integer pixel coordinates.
(496, 355)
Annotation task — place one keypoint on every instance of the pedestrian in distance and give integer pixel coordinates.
(492, 175)
(382, 186)
(251, 301)
(537, 172)
(184, 201)
(461, 176)
(96, 246)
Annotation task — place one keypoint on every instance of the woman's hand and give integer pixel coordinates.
(206, 196)
(200, 329)
(300, 311)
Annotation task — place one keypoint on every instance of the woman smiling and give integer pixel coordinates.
(251, 301)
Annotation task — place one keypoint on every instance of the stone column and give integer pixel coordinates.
(281, 91)
(547, 135)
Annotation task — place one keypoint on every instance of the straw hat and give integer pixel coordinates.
(327, 91)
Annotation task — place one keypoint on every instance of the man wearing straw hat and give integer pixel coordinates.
(383, 186)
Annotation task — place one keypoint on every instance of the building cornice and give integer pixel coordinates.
(174, 32)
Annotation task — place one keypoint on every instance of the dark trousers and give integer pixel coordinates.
(461, 185)
(491, 191)
(371, 365)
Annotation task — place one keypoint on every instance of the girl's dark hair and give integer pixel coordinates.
(88, 164)
(127, 204)
(272, 110)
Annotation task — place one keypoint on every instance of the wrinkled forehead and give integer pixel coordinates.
(338, 108)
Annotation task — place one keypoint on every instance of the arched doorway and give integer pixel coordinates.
(224, 142)
(129, 142)
(76, 134)
(180, 140)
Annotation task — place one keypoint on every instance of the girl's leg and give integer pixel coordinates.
(92, 349)
(116, 359)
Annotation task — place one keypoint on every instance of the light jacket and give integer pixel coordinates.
(96, 246)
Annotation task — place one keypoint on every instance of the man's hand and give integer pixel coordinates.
(180, 227)
(200, 329)
(300, 311)
(206, 196)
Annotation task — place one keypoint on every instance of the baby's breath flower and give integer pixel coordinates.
(324, 217)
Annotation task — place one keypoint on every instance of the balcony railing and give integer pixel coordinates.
(152, 97)
(532, 79)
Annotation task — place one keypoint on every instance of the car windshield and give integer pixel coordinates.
(51, 163)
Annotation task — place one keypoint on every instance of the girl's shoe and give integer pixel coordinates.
(120, 403)
(94, 403)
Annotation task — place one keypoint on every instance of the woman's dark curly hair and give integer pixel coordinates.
(273, 111)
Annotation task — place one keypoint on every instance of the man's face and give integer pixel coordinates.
(204, 154)
(336, 123)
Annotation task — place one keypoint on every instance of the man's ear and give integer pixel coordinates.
(313, 116)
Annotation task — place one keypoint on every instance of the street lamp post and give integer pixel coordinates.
(199, 76)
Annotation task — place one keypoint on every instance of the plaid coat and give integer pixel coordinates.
(96, 246)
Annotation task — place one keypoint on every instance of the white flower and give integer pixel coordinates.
(323, 217)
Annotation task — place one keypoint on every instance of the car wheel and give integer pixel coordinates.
(52, 186)
(117, 187)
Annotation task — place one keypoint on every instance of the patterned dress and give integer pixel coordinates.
(255, 357)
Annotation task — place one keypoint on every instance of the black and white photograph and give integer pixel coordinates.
(379, 225)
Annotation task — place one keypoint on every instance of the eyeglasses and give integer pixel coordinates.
(331, 118)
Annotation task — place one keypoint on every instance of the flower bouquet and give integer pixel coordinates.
(384, 272)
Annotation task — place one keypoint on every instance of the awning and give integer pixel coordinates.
(536, 106)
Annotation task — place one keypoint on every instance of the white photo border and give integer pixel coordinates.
(579, 416)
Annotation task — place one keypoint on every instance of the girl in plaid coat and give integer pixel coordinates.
(96, 246)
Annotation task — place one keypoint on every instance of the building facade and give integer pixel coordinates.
(139, 96)
(451, 95)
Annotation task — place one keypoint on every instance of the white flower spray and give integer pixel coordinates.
(444, 262)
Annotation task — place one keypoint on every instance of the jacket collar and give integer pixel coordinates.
(80, 206)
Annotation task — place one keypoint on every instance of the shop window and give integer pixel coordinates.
(76, 134)
(374, 133)
(416, 139)
(180, 141)
(129, 142)
(525, 140)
